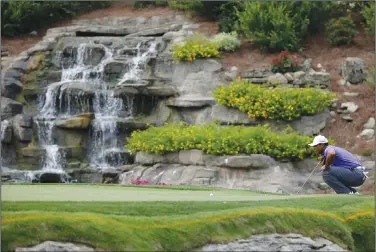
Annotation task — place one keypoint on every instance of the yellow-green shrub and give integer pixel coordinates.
(279, 103)
(197, 47)
(221, 140)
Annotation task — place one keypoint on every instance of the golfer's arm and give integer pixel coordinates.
(329, 159)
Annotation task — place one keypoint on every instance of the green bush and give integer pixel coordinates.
(279, 103)
(185, 5)
(221, 140)
(227, 41)
(371, 77)
(228, 21)
(197, 47)
(269, 26)
(20, 17)
(368, 13)
(144, 4)
(309, 17)
(208, 9)
(340, 31)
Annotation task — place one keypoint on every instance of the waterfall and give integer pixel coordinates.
(59, 102)
(106, 108)
(4, 125)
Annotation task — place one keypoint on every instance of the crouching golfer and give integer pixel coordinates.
(341, 170)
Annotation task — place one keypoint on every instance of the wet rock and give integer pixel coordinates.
(9, 108)
(94, 55)
(6, 132)
(114, 70)
(21, 133)
(77, 122)
(23, 120)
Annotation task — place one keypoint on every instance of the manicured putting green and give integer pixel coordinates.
(120, 193)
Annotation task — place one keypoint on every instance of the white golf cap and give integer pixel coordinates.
(318, 140)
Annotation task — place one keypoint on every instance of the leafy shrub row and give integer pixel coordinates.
(221, 140)
(280, 103)
(201, 47)
(20, 17)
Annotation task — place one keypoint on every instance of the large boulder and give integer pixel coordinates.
(22, 127)
(11, 87)
(227, 115)
(94, 55)
(311, 125)
(114, 70)
(198, 77)
(353, 70)
(23, 120)
(78, 122)
(9, 108)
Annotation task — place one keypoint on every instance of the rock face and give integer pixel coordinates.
(193, 167)
(55, 246)
(276, 242)
(353, 70)
(101, 79)
(9, 108)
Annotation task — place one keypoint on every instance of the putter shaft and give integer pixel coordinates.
(308, 177)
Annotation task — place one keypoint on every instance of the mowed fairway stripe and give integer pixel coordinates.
(117, 193)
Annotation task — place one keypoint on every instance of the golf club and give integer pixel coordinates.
(308, 178)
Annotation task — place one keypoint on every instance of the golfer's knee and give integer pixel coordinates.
(327, 176)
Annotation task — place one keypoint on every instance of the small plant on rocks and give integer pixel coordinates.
(227, 41)
(285, 62)
(197, 47)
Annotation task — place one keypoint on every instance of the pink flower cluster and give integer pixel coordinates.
(145, 182)
(140, 182)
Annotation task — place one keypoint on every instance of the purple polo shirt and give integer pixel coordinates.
(343, 158)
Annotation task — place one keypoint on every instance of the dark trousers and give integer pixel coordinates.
(341, 180)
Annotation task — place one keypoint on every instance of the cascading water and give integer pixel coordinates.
(104, 145)
(4, 125)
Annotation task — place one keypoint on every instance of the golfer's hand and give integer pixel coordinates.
(322, 168)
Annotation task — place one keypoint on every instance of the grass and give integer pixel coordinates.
(173, 223)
